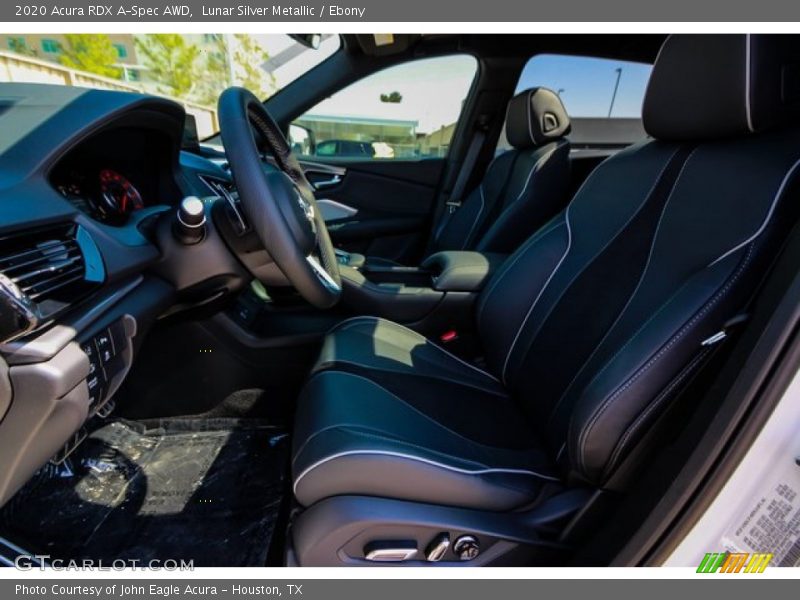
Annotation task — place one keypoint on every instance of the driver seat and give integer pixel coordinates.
(589, 331)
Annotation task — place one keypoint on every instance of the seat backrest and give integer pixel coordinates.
(524, 187)
(604, 312)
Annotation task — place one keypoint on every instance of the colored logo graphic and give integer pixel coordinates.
(734, 562)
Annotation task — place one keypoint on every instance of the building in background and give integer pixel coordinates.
(49, 47)
(436, 143)
(389, 138)
(263, 63)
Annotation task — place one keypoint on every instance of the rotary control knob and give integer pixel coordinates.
(190, 221)
(467, 547)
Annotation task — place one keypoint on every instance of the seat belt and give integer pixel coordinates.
(456, 197)
(498, 203)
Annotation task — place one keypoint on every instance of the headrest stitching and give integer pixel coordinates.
(747, 84)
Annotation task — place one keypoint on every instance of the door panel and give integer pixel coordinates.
(388, 133)
(377, 208)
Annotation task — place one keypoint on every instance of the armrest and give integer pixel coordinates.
(456, 271)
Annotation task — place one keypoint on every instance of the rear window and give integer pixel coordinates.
(603, 97)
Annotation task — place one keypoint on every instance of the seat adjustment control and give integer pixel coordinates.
(467, 547)
(437, 548)
(388, 551)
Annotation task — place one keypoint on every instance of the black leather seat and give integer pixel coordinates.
(379, 413)
(522, 189)
(593, 324)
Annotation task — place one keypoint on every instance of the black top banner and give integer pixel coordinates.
(744, 11)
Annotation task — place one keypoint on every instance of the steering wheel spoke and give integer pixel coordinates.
(323, 275)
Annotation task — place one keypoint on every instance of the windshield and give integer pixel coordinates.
(190, 68)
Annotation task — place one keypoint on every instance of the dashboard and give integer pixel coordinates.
(88, 182)
(116, 173)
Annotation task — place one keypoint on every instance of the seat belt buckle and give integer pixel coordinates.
(452, 206)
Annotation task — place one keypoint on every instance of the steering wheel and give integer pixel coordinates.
(279, 204)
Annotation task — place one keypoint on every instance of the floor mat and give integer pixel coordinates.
(207, 490)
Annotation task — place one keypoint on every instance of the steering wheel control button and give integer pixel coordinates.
(190, 222)
(467, 547)
(437, 548)
(390, 551)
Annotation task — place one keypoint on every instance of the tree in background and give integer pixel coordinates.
(90, 52)
(232, 60)
(248, 56)
(392, 98)
(171, 61)
(18, 45)
(216, 71)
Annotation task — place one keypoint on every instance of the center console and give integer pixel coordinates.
(435, 296)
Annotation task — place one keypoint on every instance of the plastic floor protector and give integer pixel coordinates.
(201, 490)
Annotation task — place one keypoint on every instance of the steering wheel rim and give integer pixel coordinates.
(280, 205)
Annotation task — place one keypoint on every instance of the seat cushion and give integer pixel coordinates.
(388, 413)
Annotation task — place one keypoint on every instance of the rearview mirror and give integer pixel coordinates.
(309, 40)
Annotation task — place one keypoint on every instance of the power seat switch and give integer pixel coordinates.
(390, 551)
(467, 547)
(437, 548)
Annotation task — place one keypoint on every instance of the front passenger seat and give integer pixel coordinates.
(522, 188)
(404, 452)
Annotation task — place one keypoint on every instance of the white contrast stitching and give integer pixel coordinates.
(587, 263)
(534, 169)
(652, 406)
(410, 407)
(638, 285)
(410, 457)
(511, 261)
(331, 364)
(539, 295)
(767, 219)
(540, 235)
(584, 435)
(477, 217)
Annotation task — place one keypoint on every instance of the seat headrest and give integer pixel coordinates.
(714, 86)
(535, 117)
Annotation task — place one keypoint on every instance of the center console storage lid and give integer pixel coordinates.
(461, 271)
(398, 300)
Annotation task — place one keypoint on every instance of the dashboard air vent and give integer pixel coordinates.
(52, 268)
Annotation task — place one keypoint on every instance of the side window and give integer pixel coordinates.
(603, 97)
(327, 148)
(408, 111)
